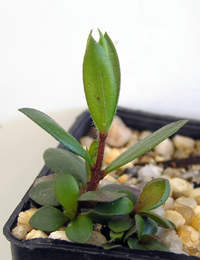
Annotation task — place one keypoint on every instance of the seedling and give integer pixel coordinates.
(73, 199)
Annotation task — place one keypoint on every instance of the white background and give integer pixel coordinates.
(42, 45)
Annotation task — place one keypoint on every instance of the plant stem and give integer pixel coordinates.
(97, 173)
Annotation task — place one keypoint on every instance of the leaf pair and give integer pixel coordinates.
(101, 78)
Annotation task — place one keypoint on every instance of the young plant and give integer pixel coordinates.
(73, 199)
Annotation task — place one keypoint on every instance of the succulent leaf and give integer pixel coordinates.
(150, 226)
(60, 160)
(130, 232)
(54, 129)
(161, 222)
(99, 84)
(100, 196)
(130, 195)
(43, 194)
(48, 219)
(153, 195)
(117, 207)
(140, 225)
(151, 242)
(79, 229)
(145, 145)
(134, 244)
(67, 192)
(120, 223)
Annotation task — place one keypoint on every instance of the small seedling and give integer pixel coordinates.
(73, 199)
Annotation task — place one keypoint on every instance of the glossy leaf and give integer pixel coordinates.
(116, 236)
(79, 229)
(54, 129)
(100, 196)
(117, 207)
(116, 187)
(112, 53)
(60, 160)
(67, 192)
(150, 226)
(145, 145)
(130, 195)
(152, 243)
(48, 219)
(99, 85)
(97, 217)
(161, 222)
(134, 244)
(130, 232)
(120, 223)
(111, 245)
(93, 150)
(140, 225)
(153, 195)
(43, 194)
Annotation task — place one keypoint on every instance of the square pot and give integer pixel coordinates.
(45, 248)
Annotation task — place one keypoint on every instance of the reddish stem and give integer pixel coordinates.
(97, 173)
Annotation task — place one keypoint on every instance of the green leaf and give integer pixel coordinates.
(60, 160)
(79, 229)
(153, 195)
(120, 223)
(117, 207)
(54, 129)
(93, 150)
(134, 244)
(102, 42)
(140, 225)
(145, 145)
(130, 195)
(116, 236)
(116, 187)
(100, 85)
(67, 192)
(130, 232)
(112, 53)
(161, 222)
(48, 219)
(111, 245)
(100, 196)
(43, 194)
(150, 226)
(151, 242)
(97, 217)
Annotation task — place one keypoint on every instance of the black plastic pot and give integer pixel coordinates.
(41, 249)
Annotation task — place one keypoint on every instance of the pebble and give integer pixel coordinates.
(185, 201)
(149, 172)
(186, 211)
(189, 236)
(175, 217)
(168, 203)
(36, 234)
(86, 141)
(195, 223)
(119, 134)
(97, 239)
(114, 153)
(183, 142)
(20, 231)
(180, 186)
(59, 235)
(165, 148)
